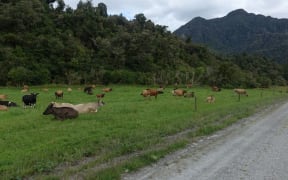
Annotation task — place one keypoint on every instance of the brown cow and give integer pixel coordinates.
(151, 92)
(99, 96)
(59, 94)
(178, 92)
(107, 89)
(210, 99)
(69, 90)
(88, 90)
(215, 88)
(3, 96)
(26, 87)
(61, 112)
(3, 108)
(241, 92)
(24, 90)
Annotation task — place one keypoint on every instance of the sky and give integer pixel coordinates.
(175, 13)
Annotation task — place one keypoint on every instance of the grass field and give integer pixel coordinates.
(125, 134)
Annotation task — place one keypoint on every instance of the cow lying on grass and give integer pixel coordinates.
(3, 108)
(82, 108)
(8, 103)
(61, 112)
(178, 92)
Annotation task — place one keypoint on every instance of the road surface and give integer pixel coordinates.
(255, 148)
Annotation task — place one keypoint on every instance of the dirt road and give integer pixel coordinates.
(256, 148)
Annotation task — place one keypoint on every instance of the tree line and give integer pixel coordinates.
(45, 41)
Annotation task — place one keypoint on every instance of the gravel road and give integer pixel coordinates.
(255, 148)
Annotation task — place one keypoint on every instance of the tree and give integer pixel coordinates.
(19, 75)
(102, 10)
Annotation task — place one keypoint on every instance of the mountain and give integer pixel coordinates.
(240, 32)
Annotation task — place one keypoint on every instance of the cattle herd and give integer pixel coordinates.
(63, 111)
(60, 111)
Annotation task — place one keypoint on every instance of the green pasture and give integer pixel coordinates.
(138, 130)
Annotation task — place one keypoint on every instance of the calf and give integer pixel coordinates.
(29, 99)
(61, 112)
(59, 94)
(8, 103)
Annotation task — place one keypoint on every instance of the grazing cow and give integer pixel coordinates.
(99, 96)
(210, 99)
(241, 92)
(3, 96)
(82, 108)
(151, 92)
(88, 90)
(8, 103)
(69, 90)
(107, 89)
(59, 94)
(3, 108)
(178, 92)
(215, 88)
(29, 99)
(61, 112)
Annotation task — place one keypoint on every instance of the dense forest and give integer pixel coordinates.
(45, 41)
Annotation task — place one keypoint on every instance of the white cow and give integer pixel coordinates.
(82, 108)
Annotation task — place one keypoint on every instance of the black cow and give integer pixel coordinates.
(61, 112)
(88, 90)
(8, 103)
(30, 100)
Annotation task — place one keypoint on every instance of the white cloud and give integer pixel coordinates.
(174, 13)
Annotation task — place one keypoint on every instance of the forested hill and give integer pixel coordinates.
(240, 32)
(43, 43)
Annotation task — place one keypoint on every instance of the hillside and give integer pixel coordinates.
(240, 31)
(41, 43)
